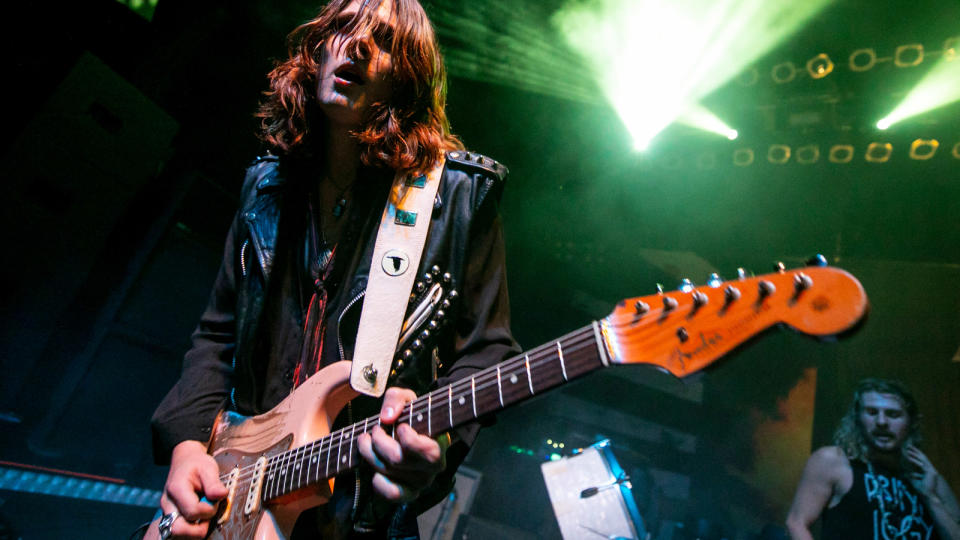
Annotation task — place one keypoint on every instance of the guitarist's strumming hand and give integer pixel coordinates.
(405, 464)
(193, 474)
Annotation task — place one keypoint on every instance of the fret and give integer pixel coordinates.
(600, 347)
(353, 432)
(499, 385)
(315, 461)
(430, 414)
(473, 393)
(563, 365)
(271, 474)
(329, 451)
(298, 465)
(526, 361)
(450, 403)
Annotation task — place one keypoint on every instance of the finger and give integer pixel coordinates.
(393, 491)
(365, 447)
(181, 527)
(386, 448)
(393, 401)
(213, 488)
(422, 447)
(186, 500)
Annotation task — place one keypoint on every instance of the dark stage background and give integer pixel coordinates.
(125, 140)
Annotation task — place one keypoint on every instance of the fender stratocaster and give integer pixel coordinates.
(280, 463)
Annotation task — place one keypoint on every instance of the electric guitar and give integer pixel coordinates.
(280, 463)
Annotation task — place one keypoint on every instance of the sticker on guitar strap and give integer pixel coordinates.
(395, 262)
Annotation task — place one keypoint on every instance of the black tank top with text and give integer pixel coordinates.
(879, 506)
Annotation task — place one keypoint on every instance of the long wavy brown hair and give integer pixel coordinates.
(850, 436)
(408, 133)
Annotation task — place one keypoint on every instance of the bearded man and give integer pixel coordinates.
(875, 483)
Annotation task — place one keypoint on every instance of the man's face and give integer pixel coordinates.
(348, 84)
(884, 421)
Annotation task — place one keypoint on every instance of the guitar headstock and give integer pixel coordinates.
(683, 331)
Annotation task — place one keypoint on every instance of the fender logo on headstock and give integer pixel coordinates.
(707, 343)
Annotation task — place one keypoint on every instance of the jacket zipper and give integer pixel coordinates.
(356, 471)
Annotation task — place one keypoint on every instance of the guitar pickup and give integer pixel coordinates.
(231, 484)
(256, 486)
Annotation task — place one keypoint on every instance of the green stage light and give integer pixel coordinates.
(939, 87)
(655, 60)
(699, 117)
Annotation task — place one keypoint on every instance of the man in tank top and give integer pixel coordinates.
(875, 483)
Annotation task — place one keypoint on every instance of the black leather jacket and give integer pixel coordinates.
(222, 369)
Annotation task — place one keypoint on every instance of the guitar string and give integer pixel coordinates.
(585, 334)
(327, 443)
(484, 379)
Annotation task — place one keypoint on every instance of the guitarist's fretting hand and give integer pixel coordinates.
(404, 465)
(193, 474)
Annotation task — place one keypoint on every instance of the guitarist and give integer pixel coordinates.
(360, 99)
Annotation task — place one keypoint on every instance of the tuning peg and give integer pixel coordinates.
(802, 282)
(685, 285)
(669, 303)
(766, 288)
(453, 295)
(416, 345)
(440, 315)
(659, 288)
(641, 307)
(428, 278)
(779, 267)
(714, 280)
(699, 299)
(407, 354)
(425, 335)
(817, 260)
(447, 277)
(741, 274)
(420, 287)
(435, 270)
(731, 294)
(445, 304)
(432, 325)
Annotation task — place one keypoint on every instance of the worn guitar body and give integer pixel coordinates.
(238, 442)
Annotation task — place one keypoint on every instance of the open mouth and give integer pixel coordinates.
(349, 74)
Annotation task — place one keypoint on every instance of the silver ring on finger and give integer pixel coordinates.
(166, 523)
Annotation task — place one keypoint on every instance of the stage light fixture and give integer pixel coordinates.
(857, 64)
(841, 153)
(956, 150)
(783, 73)
(908, 55)
(700, 117)
(820, 66)
(808, 154)
(938, 87)
(923, 149)
(878, 152)
(950, 46)
(623, 43)
(778, 154)
(743, 157)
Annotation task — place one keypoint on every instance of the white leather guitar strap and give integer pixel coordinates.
(393, 270)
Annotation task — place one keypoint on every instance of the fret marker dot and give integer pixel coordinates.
(513, 378)
(420, 417)
(462, 400)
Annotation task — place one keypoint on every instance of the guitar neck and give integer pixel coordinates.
(463, 401)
